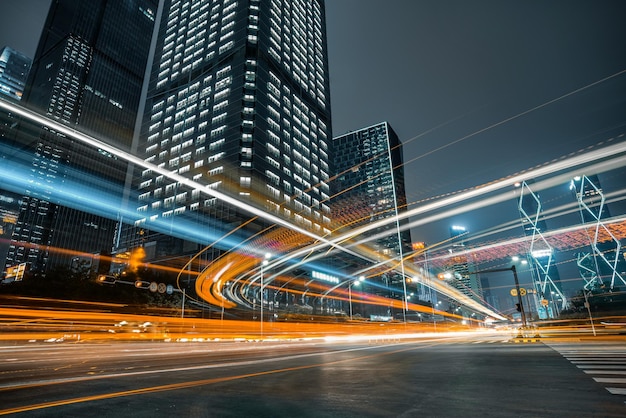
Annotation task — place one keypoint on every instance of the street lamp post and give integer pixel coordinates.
(519, 296)
(264, 263)
(593, 328)
(353, 282)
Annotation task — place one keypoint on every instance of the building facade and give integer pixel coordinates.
(88, 74)
(238, 102)
(370, 187)
(461, 268)
(14, 68)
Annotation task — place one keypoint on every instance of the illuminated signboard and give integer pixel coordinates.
(16, 272)
(325, 277)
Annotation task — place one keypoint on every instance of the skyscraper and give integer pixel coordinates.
(14, 67)
(461, 267)
(9, 209)
(87, 73)
(370, 187)
(238, 102)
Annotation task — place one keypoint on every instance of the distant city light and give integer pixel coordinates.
(542, 253)
(418, 246)
(325, 277)
(572, 184)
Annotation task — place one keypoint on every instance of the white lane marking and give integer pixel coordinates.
(615, 372)
(600, 366)
(610, 379)
(617, 391)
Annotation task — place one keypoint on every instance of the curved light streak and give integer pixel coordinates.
(603, 153)
(28, 114)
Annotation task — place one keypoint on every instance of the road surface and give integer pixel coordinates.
(435, 376)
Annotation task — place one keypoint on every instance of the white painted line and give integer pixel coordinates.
(614, 362)
(614, 357)
(593, 353)
(610, 380)
(600, 366)
(617, 391)
(616, 372)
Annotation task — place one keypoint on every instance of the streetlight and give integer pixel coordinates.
(356, 282)
(264, 263)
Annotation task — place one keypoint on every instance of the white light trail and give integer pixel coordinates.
(611, 153)
(174, 176)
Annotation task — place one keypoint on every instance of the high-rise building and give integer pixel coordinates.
(420, 258)
(238, 102)
(87, 73)
(9, 210)
(461, 267)
(370, 187)
(14, 67)
(490, 297)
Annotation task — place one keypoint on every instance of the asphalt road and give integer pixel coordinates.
(441, 376)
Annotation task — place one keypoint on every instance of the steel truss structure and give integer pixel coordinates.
(588, 263)
(540, 252)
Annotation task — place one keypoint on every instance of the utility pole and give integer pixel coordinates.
(519, 295)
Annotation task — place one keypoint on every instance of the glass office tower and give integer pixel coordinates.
(87, 73)
(461, 267)
(370, 187)
(14, 67)
(238, 102)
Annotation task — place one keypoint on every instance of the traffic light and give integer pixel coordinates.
(518, 307)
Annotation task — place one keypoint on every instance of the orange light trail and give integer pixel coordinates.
(205, 382)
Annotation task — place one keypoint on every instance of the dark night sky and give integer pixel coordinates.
(439, 71)
(442, 72)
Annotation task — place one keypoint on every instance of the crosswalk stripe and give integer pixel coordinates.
(617, 391)
(595, 358)
(605, 365)
(614, 363)
(615, 372)
(593, 353)
(599, 366)
(610, 379)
